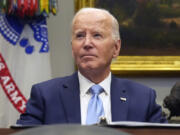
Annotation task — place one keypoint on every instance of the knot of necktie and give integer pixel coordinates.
(96, 89)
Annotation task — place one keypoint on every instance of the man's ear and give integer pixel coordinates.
(117, 48)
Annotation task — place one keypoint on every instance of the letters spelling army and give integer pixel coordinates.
(11, 89)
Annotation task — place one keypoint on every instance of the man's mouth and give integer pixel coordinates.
(88, 55)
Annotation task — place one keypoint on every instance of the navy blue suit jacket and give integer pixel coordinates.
(58, 101)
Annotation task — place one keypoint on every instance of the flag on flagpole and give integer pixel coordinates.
(24, 61)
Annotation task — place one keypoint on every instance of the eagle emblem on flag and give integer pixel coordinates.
(11, 28)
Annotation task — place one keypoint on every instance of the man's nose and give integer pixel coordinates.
(88, 43)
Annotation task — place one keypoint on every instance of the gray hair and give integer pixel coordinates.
(115, 24)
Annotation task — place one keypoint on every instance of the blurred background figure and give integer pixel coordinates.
(172, 103)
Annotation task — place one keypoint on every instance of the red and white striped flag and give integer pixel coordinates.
(24, 60)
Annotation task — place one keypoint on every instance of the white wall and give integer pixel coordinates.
(59, 39)
(61, 57)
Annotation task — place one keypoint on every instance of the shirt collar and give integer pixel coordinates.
(85, 84)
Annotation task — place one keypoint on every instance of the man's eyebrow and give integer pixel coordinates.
(77, 30)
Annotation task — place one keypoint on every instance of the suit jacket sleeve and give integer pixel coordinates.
(155, 111)
(34, 109)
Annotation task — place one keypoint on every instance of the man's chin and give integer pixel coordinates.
(88, 67)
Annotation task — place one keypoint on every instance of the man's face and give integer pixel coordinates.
(92, 44)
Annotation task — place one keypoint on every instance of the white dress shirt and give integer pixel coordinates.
(85, 96)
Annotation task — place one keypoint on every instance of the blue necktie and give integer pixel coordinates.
(95, 106)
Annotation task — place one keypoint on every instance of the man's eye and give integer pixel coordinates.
(79, 35)
(97, 35)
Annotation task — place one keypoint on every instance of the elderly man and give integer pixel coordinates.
(92, 92)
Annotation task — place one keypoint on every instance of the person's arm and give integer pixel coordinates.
(155, 110)
(34, 109)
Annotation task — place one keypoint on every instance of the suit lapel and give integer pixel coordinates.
(119, 100)
(70, 96)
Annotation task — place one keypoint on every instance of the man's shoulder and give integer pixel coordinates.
(57, 81)
(131, 85)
